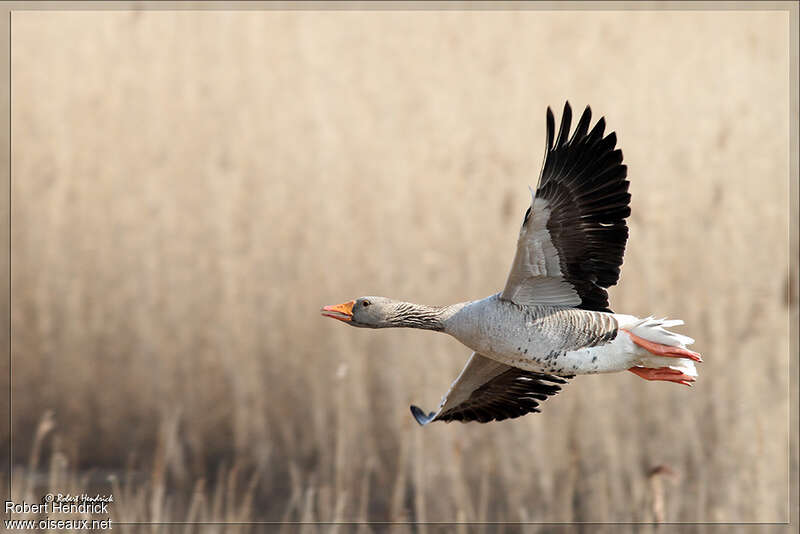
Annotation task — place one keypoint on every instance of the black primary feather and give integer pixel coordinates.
(584, 183)
(510, 394)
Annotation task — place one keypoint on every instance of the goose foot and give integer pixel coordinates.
(667, 374)
(664, 350)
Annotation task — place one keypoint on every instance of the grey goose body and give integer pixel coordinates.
(534, 337)
(552, 320)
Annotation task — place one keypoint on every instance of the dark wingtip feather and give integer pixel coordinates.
(611, 140)
(420, 416)
(583, 124)
(597, 132)
(551, 127)
(566, 120)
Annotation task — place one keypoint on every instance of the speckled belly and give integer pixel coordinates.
(610, 357)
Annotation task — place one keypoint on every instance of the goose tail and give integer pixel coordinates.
(655, 346)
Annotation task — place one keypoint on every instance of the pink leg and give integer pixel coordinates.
(664, 350)
(663, 373)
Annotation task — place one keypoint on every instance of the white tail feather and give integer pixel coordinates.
(655, 330)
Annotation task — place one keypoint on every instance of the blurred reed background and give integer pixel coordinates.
(190, 187)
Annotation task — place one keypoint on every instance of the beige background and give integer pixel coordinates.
(190, 187)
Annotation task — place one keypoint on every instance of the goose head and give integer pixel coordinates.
(365, 312)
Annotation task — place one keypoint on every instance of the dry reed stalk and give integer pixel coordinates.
(197, 504)
(419, 482)
(46, 424)
(656, 476)
(398, 507)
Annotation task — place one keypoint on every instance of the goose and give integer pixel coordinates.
(552, 319)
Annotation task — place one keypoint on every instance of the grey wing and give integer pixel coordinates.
(487, 390)
(573, 236)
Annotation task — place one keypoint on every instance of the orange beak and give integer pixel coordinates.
(343, 312)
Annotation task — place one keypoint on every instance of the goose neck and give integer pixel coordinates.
(421, 316)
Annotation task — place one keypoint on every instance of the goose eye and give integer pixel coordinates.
(365, 303)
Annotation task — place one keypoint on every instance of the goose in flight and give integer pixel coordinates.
(552, 320)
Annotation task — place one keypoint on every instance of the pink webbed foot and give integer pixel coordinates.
(664, 350)
(666, 374)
